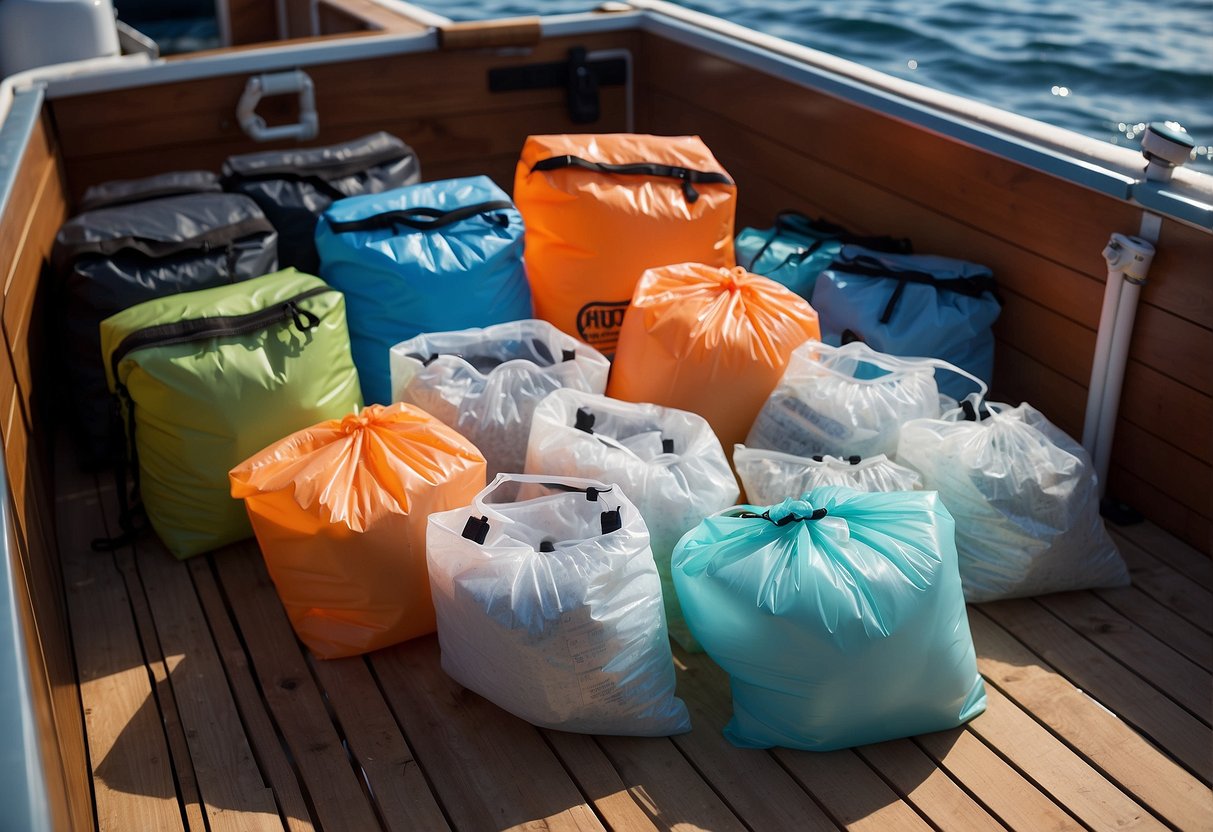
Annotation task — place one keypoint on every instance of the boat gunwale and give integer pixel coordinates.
(1082, 160)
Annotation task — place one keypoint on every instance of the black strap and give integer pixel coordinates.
(791, 518)
(824, 231)
(426, 219)
(973, 287)
(687, 176)
(132, 518)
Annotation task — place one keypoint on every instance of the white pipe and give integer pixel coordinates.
(1129, 260)
(1103, 345)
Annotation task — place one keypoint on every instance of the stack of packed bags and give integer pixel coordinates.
(551, 385)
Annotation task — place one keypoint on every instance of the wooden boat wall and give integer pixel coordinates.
(797, 129)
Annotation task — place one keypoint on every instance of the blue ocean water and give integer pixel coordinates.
(1100, 67)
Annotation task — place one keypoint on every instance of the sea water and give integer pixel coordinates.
(1105, 68)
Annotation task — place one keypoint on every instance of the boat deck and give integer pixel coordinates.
(204, 713)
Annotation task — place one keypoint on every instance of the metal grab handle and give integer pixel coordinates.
(279, 83)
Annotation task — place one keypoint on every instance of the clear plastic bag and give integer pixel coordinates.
(1025, 499)
(772, 476)
(669, 461)
(549, 605)
(839, 618)
(848, 400)
(486, 383)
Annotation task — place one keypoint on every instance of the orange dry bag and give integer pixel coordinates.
(710, 340)
(340, 512)
(599, 210)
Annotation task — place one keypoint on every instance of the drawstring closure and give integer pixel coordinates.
(791, 517)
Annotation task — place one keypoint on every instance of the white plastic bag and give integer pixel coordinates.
(848, 400)
(771, 477)
(546, 611)
(485, 383)
(669, 461)
(1025, 499)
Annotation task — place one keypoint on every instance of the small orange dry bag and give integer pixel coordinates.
(600, 209)
(340, 512)
(710, 340)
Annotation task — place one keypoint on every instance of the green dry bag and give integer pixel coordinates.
(209, 378)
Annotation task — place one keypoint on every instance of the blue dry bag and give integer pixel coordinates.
(912, 305)
(796, 249)
(432, 257)
(838, 617)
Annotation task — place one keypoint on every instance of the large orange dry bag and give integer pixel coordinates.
(600, 209)
(340, 512)
(710, 340)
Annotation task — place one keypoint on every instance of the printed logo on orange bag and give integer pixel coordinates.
(598, 322)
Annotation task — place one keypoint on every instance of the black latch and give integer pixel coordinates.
(611, 521)
(580, 77)
(584, 420)
(667, 446)
(476, 529)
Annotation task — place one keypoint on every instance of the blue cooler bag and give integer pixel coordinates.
(432, 257)
(912, 305)
(796, 249)
(839, 618)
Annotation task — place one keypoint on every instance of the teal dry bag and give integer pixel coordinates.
(797, 248)
(433, 257)
(912, 305)
(838, 617)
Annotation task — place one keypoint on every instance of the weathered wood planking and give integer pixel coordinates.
(489, 770)
(133, 779)
(1125, 758)
(31, 216)
(293, 700)
(232, 789)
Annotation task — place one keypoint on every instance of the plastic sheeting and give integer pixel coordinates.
(486, 383)
(549, 605)
(115, 257)
(669, 462)
(912, 304)
(339, 510)
(1025, 499)
(212, 377)
(601, 209)
(770, 477)
(296, 185)
(839, 618)
(710, 340)
(846, 401)
(434, 257)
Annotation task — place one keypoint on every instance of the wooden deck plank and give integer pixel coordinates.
(600, 782)
(133, 781)
(1108, 682)
(1099, 735)
(1154, 661)
(927, 787)
(288, 688)
(1056, 769)
(858, 799)
(282, 778)
(1166, 585)
(655, 769)
(752, 781)
(166, 700)
(1016, 801)
(490, 770)
(1167, 548)
(397, 784)
(1160, 622)
(232, 787)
